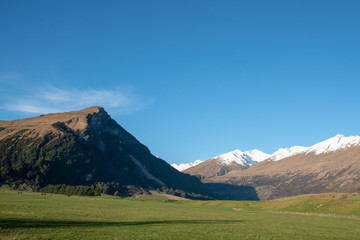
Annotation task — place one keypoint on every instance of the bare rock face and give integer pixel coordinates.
(82, 148)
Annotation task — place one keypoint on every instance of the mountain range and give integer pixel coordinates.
(331, 165)
(250, 157)
(244, 159)
(88, 148)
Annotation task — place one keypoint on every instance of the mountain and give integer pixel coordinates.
(286, 152)
(237, 159)
(82, 148)
(330, 145)
(329, 166)
(182, 166)
(227, 162)
(245, 159)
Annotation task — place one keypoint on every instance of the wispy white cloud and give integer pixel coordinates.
(61, 100)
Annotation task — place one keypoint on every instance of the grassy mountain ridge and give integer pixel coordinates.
(82, 148)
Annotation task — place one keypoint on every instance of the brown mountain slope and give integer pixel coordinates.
(212, 168)
(82, 148)
(337, 171)
(42, 125)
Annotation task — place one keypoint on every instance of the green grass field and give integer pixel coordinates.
(35, 216)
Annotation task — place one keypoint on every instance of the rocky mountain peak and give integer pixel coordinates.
(82, 148)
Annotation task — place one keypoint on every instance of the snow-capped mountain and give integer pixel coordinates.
(183, 166)
(333, 144)
(332, 165)
(247, 158)
(251, 157)
(254, 156)
(286, 152)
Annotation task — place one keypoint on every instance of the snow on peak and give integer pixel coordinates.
(257, 155)
(286, 152)
(330, 145)
(254, 156)
(182, 166)
(247, 158)
(335, 143)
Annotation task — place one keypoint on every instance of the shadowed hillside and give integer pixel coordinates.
(82, 148)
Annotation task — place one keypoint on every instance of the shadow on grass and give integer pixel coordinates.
(223, 191)
(29, 223)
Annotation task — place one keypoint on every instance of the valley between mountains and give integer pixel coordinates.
(87, 153)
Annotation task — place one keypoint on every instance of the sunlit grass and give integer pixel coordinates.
(35, 216)
(329, 203)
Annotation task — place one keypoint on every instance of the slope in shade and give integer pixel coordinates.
(81, 148)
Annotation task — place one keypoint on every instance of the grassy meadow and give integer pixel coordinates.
(34, 216)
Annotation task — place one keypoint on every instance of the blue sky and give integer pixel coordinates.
(189, 79)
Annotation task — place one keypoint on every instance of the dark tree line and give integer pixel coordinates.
(181, 193)
(111, 188)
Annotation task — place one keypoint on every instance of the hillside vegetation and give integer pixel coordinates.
(83, 148)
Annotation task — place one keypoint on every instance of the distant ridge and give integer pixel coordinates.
(227, 162)
(182, 166)
(332, 165)
(333, 144)
(251, 157)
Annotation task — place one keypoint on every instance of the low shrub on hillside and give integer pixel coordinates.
(71, 190)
